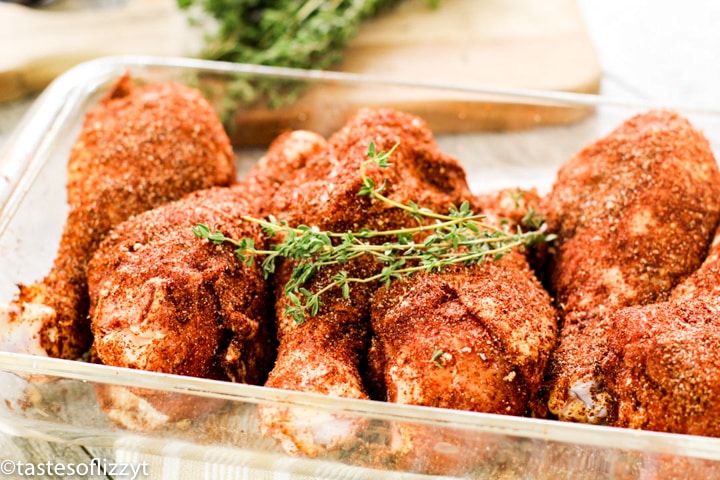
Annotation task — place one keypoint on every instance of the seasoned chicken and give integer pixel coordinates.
(286, 154)
(662, 368)
(511, 207)
(138, 148)
(163, 300)
(323, 354)
(471, 338)
(634, 213)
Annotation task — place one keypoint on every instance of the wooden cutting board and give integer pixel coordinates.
(492, 43)
(36, 45)
(509, 44)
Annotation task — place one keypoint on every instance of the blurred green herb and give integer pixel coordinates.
(288, 33)
(458, 237)
(309, 34)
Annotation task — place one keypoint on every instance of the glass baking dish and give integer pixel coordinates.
(504, 138)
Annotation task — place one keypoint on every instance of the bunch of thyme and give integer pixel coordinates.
(289, 33)
(309, 34)
(458, 237)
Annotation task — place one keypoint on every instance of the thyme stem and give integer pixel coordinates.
(456, 238)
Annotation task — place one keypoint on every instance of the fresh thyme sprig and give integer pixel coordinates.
(459, 237)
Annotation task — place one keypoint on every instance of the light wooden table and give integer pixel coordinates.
(663, 51)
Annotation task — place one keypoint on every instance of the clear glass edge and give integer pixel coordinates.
(521, 427)
(22, 155)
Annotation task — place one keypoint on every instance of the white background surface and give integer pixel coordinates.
(663, 51)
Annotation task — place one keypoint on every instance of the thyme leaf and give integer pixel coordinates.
(436, 358)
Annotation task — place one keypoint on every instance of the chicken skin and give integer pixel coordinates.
(163, 300)
(138, 148)
(662, 369)
(323, 353)
(288, 153)
(472, 338)
(511, 207)
(634, 213)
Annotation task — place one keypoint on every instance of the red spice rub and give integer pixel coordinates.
(509, 206)
(138, 148)
(634, 213)
(493, 322)
(166, 301)
(663, 368)
(470, 338)
(288, 153)
(323, 354)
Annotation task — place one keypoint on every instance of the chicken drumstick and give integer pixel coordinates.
(138, 148)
